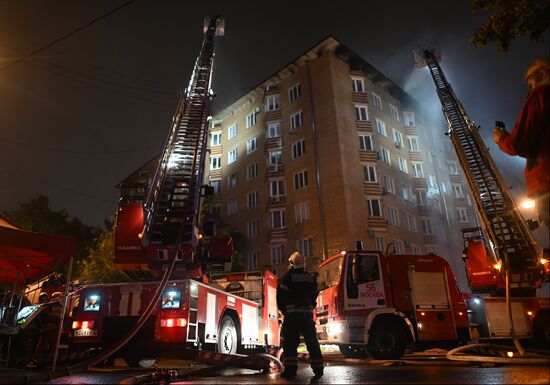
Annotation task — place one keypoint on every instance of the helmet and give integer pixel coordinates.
(296, 260)
(539, 68)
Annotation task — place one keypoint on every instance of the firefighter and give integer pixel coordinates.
(296, 299)
(49, 322)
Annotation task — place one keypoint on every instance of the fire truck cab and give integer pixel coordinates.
(379, 304)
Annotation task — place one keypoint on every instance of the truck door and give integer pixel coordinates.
(433, 310)
(269, 310)
(364, 284)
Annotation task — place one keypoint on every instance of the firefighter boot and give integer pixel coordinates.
(318, 372)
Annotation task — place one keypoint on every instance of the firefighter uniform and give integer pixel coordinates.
(296, 299)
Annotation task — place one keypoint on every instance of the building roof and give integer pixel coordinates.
(331, 43)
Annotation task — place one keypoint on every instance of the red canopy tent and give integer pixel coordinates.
(42, 253)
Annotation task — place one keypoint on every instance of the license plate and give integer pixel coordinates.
(85, 333)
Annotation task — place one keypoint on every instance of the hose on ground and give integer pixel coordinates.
(508, 355)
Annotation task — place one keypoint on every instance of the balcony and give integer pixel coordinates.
(410, 130)
(274, 170)
(415, 156)
(276, 201)
(273, 143)
(363, 125)
(274, 234)
(420, 183)
(273, 115)
(377, 223)
(359, 97)
(368, 156)
(371, 188)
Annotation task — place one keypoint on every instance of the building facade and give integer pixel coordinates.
(328, 151)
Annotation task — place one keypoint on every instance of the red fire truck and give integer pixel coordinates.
(181, 295)
(386, 302)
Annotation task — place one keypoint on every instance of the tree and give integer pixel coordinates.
(98, 266)
(36, 215)
(509, 19)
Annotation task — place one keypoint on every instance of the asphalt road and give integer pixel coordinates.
(350, 372)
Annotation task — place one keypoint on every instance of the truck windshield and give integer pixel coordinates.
(329, 274)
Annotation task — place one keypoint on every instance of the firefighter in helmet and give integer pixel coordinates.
(296, 299)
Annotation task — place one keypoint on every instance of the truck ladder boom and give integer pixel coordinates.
(500, 218)
(173, 203)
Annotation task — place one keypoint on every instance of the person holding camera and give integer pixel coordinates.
(530, 137)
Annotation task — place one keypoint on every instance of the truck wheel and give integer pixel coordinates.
(386, 341)
(227, 339)
(353, 351)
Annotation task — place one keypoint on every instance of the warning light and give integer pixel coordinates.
(530, 313)
(422, 313)
(510, 354)
(460, 313)
(528, 204)
(173, 322)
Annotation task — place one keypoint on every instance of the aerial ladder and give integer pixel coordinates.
(151, 232)
(511, 245)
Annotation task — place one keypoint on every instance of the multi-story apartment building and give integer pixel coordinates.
(326, 152)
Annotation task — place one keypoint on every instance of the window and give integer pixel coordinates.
(251, 171)
(361, 112)
(215, 139)
(251, 145)
(305, 247)
(294, 93)
(251, 119)
(397, 138)
(394, 113)
(462, 215)
(394, 217)
(418, 171)
(296, 120)
(253, 258)
(277, 254)
(252, 228)
(277, 219)
(407, 195)
(275, 157)
(453, 168)
(403, 165)
(379, 243)
(232, 131)
(365, 142)
(421, 197)
(457, 188)
(432, 182)
(272, 103)
(374, 208)
(274, 130)
(377, 101)
(357, 85)
(388, 184)
(298, 149)
(232, 155)
(232, 180)
(415, 250)
(276, 188)
(301, 211)
(300, 180)
(215, 162)
(381, 127)
(413, 143)
(385, 155)
(411, 222)
(252, 199)
(369, 173)
(232, 207)
(398, 246)
(409, 118)
(426, 227)
(216, 185)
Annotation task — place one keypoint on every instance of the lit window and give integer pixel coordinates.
(92, 302)
(171, 299)
(232, 131)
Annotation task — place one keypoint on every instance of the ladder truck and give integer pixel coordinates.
(181, 295)
(507, 265)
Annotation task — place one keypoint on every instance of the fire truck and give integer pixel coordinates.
(378, 304)
(181, 294)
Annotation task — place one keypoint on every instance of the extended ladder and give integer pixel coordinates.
(500, 218)
(172, 206)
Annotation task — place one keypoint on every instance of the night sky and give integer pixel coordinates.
(80, 116)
